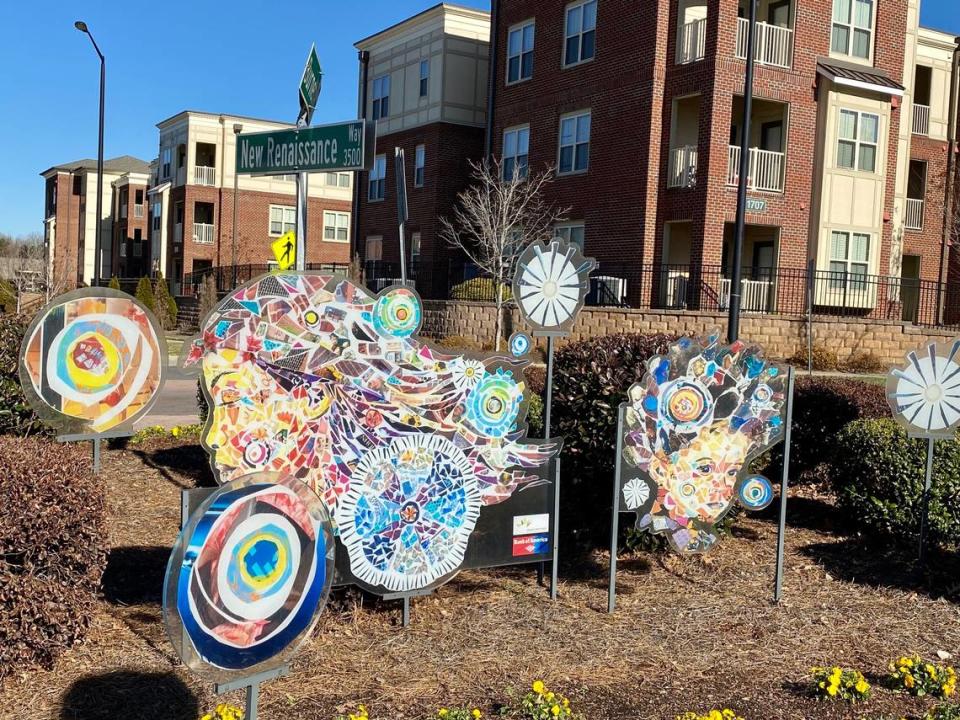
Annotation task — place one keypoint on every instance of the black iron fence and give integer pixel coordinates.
(228, 277)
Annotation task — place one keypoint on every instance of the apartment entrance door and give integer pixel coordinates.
(910, 287)
(763, 260)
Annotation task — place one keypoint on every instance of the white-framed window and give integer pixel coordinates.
(419, 160)
(381, 97)
(330, 178)
(336, 226)
(574, 155)
(520, 52)
(288, 177)
(573, 233)
(377, 189)
(165, 156)
(424, 77)
(849, 259)
(580, 31)
(516, 148)
(857, 139)
(415, 247)
(282, 218)
(344, 180)
(852, 30)
(373, 249)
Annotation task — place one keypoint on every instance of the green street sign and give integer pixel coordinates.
(340, 146)
(756, 205)
(310, 83)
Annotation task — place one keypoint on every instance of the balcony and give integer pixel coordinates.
(138, 211)
(683, 167)
(765, 169)
(914, 220)
(692, 44)
(203, 233)
(921, 119)
(773, 44)
(204, 175)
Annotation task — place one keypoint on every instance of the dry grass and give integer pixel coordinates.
(687, 634)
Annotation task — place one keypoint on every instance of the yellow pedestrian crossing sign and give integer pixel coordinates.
(285, 250)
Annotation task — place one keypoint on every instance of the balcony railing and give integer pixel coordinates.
(138, 211)
(765, 173)
(921, 119)
(914, 214)
(203, 175)
(203, 233)
(773, 44)
(683, 167)
(693, 41)
(755, 295)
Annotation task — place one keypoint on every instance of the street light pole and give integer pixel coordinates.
(237, 129)
(97, 249)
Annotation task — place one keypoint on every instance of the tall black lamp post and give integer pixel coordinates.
(97, 250)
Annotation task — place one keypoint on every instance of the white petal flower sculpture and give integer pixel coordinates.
(550, 285)
(924, 394)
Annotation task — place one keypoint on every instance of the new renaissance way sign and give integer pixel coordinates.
(341, 146)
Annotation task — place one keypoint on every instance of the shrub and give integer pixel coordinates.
(590, 381)
(837, 683)
(541, 703)
(208, 297)
(943, 712)
(863, 361)
(203, 408)
(166, 306)
(114, 283)
(878, 475)
(535, 418)
(53, 544)
(917, 677)
(8, 297)
(823, 358)
(480, 289)
(16, 415)
(536, 377)
(145, 294)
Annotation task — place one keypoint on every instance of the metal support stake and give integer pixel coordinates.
(547, 409)
(406, 612)
(615, 518)
(784, 482)
(96, 456)
(555, 565)
(301, 222)
(253, 697)
(925, 510)
(810, 289)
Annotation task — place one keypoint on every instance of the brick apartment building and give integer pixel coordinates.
(192, 201)
(424, 82)
(70, 223)
(639, 108)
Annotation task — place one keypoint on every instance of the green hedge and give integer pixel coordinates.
(479, 289)
(878, 475)
(16, 415)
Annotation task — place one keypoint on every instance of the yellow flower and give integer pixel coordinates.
(555, 710)
(566, 703)
(832, 690)
(476, 713)
(550, 695)
(908, 681)
(442, 712)
(538, 687)
(175, 431)
(862, 686)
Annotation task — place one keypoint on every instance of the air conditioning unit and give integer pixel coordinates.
(607, 290)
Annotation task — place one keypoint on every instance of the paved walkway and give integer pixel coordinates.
(177, 404)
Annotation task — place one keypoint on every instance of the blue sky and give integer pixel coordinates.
(243, 56)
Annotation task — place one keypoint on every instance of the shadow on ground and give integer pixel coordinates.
(134, 575)
(129, 695)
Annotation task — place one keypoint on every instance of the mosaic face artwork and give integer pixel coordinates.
(924, 394)
(312, 376)
(92, 360)
(550, 284)
(694, 423)
(249, 575)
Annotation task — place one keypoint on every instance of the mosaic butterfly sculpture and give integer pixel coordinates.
(312, 376)
(700, 415)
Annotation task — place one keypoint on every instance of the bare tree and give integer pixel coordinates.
(33, 276)
(497, 217)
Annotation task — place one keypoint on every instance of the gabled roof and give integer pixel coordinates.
(120, 164)
(862, 77)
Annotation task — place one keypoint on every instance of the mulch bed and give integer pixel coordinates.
(687, 634)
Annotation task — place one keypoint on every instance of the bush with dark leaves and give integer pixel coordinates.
(52, 549)
(16, 415)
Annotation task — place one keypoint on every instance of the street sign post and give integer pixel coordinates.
(310, 87)
(285, 250)
(322, 148)
(399, 166)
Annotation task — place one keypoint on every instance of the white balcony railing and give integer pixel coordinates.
(914, 214)
(676, 290)
(921, 119)
(178, 233)
(683, 167)
(754, 294)
(203, 233)
(765, 173)
(138, 210)
(773, 44)
(693, 41)
(203, 175)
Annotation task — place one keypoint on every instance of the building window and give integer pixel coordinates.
(520, 52)
(852, 28)
(138, 197)
(166, 154)
(415, 247)
(381, 97)
(336, 226)
(282, 219)
(573, 233)
(77, 189)
(157, 212)
(374, 248)
(137, 243)
(378, 179)
(424, 77)
(580, 33)
(849, 260)
(516, 144)
(574, 143)
(420, 158)
(330, 178)
(289, 177)
(857, 140)
(344, 180)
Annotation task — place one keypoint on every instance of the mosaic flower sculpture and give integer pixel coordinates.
(694, 423)
(312, 376)
(550, 284)
(924, 394)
